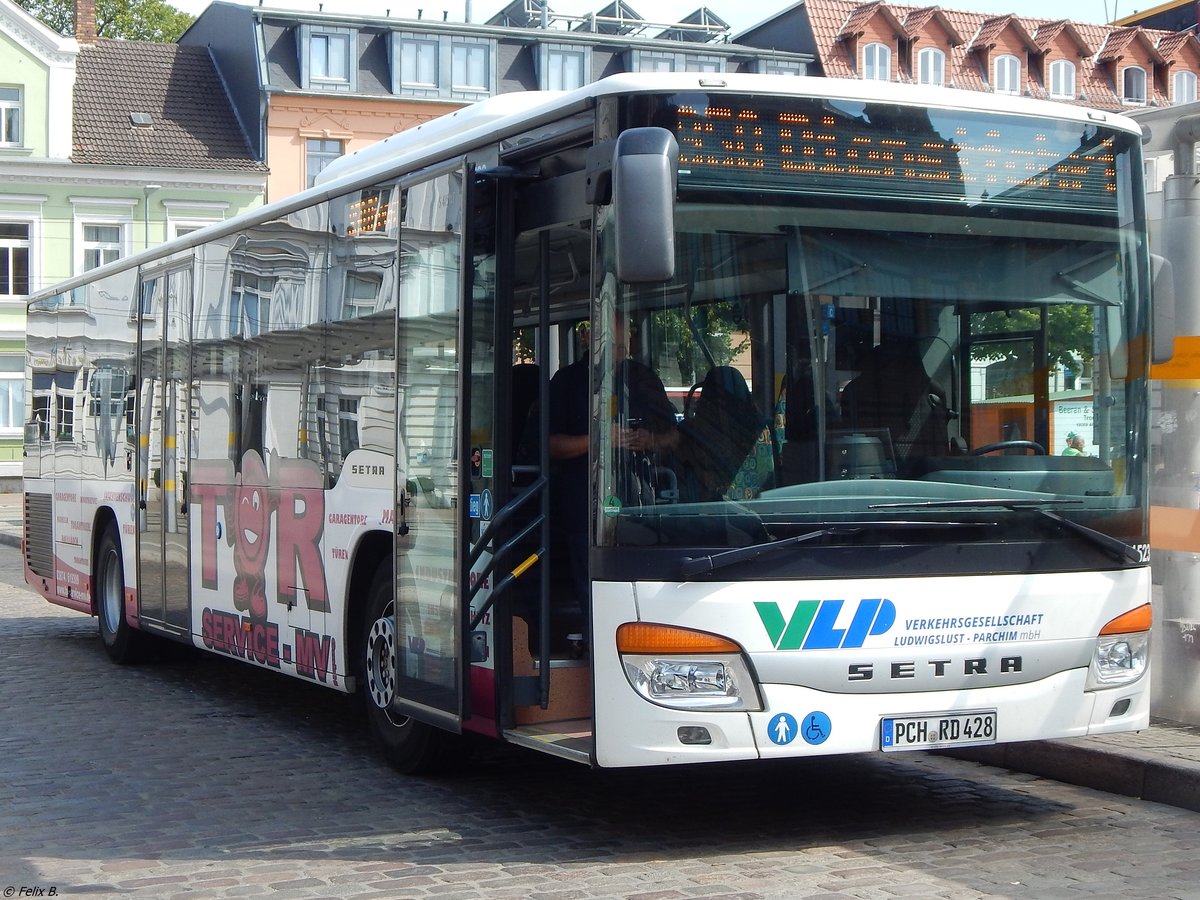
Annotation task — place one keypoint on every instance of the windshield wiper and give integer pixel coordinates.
(699, 565)
(1114, 547)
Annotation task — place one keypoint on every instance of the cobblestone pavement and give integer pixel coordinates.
(203, 777)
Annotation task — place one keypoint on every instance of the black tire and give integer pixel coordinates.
(124, 644)
(408, 746)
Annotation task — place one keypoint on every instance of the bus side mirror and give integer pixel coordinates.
(1162, 327)
(645, 170)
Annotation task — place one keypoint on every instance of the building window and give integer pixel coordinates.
(468, 67)
(12, 392)
(250, 304)
(418, 63)
(1183, 87)
(877, 62)
(347, 425)
(361, 295)
(1133, 86)
(659, 61)
(447, 66)
(10, 116)
(14, 259)
(326, 58)
(178, 229)
(319, 153)
(563, 68)
(369, 214)
(1062, 80)
(651, 62)
(779, 67)
(101, 244)
(931, 66)
(54, 405)
(702, 64)
(1006, 74)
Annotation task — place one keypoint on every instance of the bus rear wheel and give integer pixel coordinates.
(123, 643)
(409, 746)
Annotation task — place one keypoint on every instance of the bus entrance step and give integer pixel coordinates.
(569, 738)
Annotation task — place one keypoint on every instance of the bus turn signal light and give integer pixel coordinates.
(656, 640)
(1128, 623)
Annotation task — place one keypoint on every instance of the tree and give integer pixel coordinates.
(135, 20)
(1069, 332)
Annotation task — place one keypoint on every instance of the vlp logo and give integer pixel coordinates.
(813, 624)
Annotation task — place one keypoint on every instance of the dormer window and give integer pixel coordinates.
(1133, 86)
(450, 67)
(563, 67)
(665, 61)
(1006, 74)
(877, 62)
(1183, 87)
(1062, 80)
(327, 60)
(931, 66)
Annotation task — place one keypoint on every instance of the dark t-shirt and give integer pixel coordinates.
(570, 413)
(640, 397)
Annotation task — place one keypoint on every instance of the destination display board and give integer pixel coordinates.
(845, 148)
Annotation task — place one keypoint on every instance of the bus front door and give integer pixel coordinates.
(429, 661)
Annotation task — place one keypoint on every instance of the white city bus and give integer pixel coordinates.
(315, 438)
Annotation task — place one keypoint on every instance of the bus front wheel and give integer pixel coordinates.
(123, 643)
(409, 746)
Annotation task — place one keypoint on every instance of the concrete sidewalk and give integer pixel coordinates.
(1161, 764)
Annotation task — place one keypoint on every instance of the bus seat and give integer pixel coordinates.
(894, 392)
(718, 435)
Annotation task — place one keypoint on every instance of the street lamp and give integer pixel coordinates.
(147, 190)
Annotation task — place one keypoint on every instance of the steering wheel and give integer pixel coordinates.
(1037, 448)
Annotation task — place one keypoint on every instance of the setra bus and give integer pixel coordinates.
(316, 438)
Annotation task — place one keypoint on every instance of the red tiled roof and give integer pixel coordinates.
(916, 20)
(1119, 40)
(990, 30)
(1172, 43)
(831, 19)
(1048, 31)
(858, 19)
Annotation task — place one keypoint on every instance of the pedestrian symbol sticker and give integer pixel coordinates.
(782, 729)
(816, 728)
(485, 506)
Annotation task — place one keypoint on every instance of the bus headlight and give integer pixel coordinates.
(1119, 659)
(1122, 650)
(685, 669)
(713, 683)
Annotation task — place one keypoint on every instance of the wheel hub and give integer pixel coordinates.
(381, 656)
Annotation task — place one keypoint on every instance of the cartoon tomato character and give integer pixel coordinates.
(251, 537)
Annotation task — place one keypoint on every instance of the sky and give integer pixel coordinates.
(739, 14)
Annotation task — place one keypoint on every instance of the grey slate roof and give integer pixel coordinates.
(193, 124)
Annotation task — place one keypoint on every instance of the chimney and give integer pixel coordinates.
(85, 21)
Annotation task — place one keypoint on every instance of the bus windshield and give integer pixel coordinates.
(937, 320)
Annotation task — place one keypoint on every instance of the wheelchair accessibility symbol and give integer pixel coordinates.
(816, 728)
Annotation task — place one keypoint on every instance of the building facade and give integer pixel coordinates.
(1123, 68)
(309, 87)
(96, 164)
